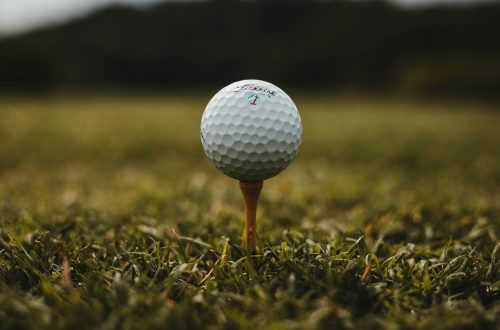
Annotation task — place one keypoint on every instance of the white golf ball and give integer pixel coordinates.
(251, 130)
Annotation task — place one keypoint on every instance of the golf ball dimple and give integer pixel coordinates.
(251, 130)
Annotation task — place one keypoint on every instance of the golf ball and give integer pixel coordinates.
(251, 130)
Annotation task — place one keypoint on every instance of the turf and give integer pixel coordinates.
(112, 217)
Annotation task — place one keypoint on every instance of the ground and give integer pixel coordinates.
(112, 217)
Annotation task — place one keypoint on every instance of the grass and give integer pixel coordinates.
(112, 217)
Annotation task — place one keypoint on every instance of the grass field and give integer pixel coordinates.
(112, 217)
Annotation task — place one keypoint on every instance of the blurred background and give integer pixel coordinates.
(101, 102)
(409, 47)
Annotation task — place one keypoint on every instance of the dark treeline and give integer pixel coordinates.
(304, 44)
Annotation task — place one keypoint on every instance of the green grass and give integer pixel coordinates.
(112, 217)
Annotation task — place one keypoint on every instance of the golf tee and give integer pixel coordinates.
(251, 192)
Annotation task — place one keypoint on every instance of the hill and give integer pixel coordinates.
(307, 44)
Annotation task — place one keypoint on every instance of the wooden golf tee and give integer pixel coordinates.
(251, 192)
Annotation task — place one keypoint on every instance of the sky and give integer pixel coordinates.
(23, 15)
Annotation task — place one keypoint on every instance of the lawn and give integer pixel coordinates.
(112, 217)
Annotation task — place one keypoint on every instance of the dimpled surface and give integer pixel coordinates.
(251, 130)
